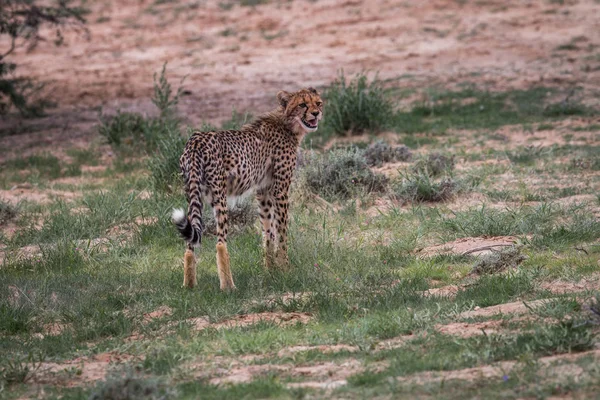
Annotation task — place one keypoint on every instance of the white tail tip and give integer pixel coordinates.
(178, 215)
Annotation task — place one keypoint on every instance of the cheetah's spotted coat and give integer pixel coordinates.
(259, 157)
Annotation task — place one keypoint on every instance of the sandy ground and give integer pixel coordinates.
(240, 57)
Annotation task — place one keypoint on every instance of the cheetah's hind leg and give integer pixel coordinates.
(189, 269)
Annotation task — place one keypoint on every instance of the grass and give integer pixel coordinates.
(82, 276)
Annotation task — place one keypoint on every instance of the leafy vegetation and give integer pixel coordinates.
(356, 106)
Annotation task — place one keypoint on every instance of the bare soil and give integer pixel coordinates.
(469, 245)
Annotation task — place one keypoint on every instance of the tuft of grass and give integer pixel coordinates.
(529, 155)
(21, 369)
(341, 174)
(356, 106)
(379, 152)
(44, 165)
(565, 109)
(127, 130)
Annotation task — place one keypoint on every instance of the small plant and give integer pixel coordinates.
(420, 187)
(7, 212)
(435, 164)
(380, 152)
(499, 260)
(22, 369)
(356, 106)
(341, 173)
(578, 163)
(163, 98)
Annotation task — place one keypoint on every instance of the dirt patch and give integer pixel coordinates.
(393, 343)
(79, 371)
(160, 312)
(517, 307)
(283, 299)
(15, 195)
(561, 287)
(326, 372)
(279, 318)
(504, 369)
(444, 291)
(465, 330)
(468, 245)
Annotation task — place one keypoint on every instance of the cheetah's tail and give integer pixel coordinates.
(190, 227)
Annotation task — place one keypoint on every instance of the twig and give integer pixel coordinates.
(583, 250)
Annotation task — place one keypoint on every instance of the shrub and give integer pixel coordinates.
(499, 260)
(341, 173)
(435, 164)
(123, 128)
(356, 106)
(7, 211)
(420, 187)
(130, 386)
(380, 152)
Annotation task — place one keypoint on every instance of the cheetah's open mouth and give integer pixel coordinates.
(312, 124)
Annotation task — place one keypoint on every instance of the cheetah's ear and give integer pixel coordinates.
(283, 98)
(313, 90)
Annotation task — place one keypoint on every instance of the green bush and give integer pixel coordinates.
(341, 173)
(357, 106)
(164, 163)
(123, 129)
(380, 152)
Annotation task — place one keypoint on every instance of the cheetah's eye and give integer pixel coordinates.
(303, 105)
(319, 104)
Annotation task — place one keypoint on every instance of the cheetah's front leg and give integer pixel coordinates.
(281, 220)
(267, 216)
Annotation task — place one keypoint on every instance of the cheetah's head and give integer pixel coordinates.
(304, 109)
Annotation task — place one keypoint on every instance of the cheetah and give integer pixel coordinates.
(259, 158)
